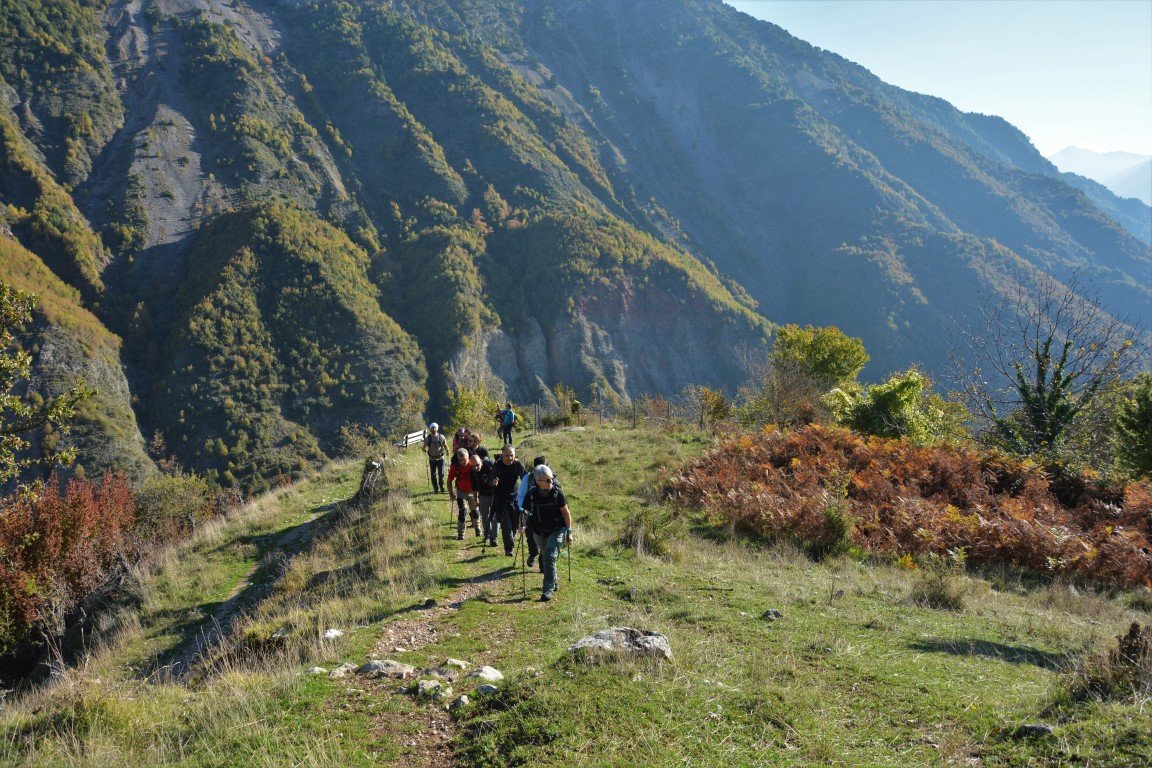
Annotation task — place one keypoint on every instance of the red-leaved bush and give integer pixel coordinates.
(59, 547)
(901, 498)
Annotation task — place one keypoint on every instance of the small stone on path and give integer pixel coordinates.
(388, 668)
(426, 689)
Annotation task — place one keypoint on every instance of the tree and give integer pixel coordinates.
(20, 415)
(1041, 361)
(826, 354)
(1133, 428)
(804, 364)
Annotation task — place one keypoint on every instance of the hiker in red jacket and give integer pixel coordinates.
(461, 489)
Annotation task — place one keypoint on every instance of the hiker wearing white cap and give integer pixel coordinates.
(434, 446)
(550, 521)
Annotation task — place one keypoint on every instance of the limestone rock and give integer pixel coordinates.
(771, 615)
(488, 674)
(343, 670)
(1033, 731)
(332, 634)
(427, 689)
(387, 668)
(443, 673)
(456, 663)
(315, 671)
(624, 641)
(460, 702)
(486, 689)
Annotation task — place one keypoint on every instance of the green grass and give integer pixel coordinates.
(855, 673)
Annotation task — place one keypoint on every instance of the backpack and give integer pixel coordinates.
(543, 510)
(509, 417)
(435, 445)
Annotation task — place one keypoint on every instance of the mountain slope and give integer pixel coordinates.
(278, 342)
(618, 196)
(69, 345)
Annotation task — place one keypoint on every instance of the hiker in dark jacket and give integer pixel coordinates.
(527, 483)
(505, 478)
(550, 521)
(483, 483)
(462, 490)
(435, 445)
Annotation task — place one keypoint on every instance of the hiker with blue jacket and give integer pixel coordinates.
(507, 418)
(550, 521)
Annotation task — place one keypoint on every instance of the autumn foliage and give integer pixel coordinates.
(60, 547)
(901, 499)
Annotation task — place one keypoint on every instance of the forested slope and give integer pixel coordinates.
(429, 194)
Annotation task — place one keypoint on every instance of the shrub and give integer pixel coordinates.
(58, 548)
(652, 530)
(554, 420)
(1124, 673)
(940, 581)
(1133, 425)
(904, 406)
(902, 498)
(171, 505)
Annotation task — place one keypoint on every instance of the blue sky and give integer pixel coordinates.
(1063, 71)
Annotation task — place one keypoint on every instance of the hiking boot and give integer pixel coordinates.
(547, 596)
(476, 528)
(531, 560)
(459, 536)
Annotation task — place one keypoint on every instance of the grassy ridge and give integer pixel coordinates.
(855, 673)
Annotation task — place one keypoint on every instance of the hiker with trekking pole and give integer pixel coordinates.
(527, 483)
(505, 478)
(550, 522)
(482, 481)
(434, 446)
(462, 491)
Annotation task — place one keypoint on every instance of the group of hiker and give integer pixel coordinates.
(500, 497)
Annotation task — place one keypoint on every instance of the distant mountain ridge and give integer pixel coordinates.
(295, 216)
(1127, 174)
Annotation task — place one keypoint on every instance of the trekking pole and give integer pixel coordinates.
(524, 567)
(568, 546)
(516, 561)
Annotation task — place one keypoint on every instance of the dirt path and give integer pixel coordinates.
(247, 593)
(426, 732)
